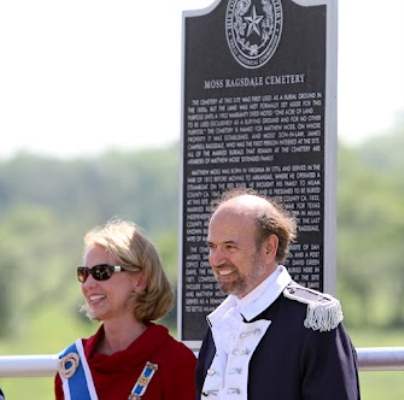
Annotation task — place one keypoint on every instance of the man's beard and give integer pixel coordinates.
(240, 285)
(237, 285)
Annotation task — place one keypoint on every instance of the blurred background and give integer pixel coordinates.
(90, 129)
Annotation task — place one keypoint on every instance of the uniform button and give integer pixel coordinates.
(257, 331)
(234, 371)
(208, 393)
(233, 391)
(238, 352)
(211, 372)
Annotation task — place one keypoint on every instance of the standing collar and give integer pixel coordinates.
(255, 302)
(260, 298)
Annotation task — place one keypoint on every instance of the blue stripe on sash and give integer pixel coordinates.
(77, 383)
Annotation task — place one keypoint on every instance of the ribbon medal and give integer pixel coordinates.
(143, 381)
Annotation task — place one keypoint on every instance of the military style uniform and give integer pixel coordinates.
(282, 342)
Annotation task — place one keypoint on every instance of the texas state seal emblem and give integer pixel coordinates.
(253, 30)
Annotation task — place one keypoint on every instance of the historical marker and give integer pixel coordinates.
(259, 111)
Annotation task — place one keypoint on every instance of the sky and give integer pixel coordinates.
(78, 77)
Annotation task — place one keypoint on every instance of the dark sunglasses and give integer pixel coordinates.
(100, 272)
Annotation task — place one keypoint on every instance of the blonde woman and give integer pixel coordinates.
(129, 357)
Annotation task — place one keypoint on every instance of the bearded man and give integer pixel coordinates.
(271, 338)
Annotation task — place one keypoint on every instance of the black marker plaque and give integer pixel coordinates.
(259, 112)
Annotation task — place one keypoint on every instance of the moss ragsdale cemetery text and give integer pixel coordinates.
(254, 81)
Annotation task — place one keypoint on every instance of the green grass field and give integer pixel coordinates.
(50, 332)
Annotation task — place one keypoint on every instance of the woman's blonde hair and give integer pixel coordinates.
(125, 241)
